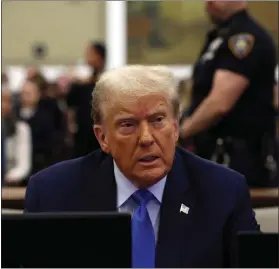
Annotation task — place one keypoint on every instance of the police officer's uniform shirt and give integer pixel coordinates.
(242, 46)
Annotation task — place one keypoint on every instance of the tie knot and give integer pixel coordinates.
(142, 196)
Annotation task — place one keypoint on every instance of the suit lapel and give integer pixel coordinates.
(175, 226)
(100, 187)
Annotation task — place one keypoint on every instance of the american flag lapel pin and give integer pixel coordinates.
(184, 209)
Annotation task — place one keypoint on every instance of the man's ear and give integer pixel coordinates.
(101, 137)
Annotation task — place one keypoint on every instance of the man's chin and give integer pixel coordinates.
(147, 178)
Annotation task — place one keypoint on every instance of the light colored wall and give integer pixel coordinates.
(65, 26)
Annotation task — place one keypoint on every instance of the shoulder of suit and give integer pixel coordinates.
(69, 168)
(209, 173)
(57, 171)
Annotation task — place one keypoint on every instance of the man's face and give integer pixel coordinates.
(94, 60)
(215, 10)
(31, 72)
(141, 135)
(30, 94)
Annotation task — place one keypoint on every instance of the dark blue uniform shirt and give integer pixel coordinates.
(244, 47)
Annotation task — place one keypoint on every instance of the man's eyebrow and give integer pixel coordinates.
(124, 117)
(157, 112)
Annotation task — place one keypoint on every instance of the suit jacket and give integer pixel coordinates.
(218, 199)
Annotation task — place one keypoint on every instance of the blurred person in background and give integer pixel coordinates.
(95, 55)
(4, 80)
(59, 115)
(49, 101)
(64, 82)
(17, 143)
(42, 124)
(60, 89)
(79, 103)
(231, 118)
(56, 93)
(31, 72)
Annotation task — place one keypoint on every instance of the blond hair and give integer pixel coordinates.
(135, 81)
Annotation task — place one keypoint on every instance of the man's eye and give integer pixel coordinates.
(127, 124)
(159, 119)
(127, 127)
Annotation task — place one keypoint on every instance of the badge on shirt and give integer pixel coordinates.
(241, 44)
(212, 48)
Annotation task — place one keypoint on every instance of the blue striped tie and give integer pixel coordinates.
(143, 234)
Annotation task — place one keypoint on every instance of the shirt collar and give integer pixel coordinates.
(125, 188)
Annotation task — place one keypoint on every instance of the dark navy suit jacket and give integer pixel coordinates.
(218, 199)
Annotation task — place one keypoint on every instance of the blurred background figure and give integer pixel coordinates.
(41, 117)
(95, 55)
(49, 102)
(231, 117)
(79, 102)
(16, 144)
(4, 80)
(31, 72)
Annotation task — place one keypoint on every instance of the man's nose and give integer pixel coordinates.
(146, 138)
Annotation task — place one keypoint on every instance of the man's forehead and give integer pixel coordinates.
(141, 106)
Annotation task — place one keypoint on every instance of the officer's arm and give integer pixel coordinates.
(227, 89)
(232, 76)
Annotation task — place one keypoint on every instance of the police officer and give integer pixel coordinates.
(231, 118)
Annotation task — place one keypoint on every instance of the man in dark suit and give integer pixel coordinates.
(79, 102)
(186, 211)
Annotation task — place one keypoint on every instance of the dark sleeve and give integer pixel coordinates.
(60, 128)
(31, 201)
(73, 96)
(59, 119)
(44, 126)
(241, 54)
(242, 219)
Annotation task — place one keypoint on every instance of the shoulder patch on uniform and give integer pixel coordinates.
(241, 44)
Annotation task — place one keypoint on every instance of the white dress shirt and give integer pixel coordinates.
(19, 153)
(125, 189)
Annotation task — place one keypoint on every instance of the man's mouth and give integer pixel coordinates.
(148, 159)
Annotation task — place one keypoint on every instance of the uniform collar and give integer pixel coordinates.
(222, 28)
(236, 16)
(125, 188)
